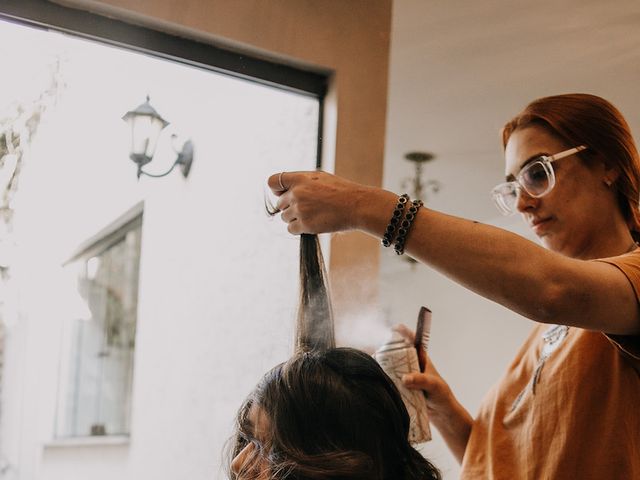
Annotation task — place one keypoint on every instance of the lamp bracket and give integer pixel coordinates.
(184, 159)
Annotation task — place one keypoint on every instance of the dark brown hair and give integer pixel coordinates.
(314, 326)
(332, 415)
(314, 329)
(583, 119)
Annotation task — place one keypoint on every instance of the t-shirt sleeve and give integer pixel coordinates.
(629, 264)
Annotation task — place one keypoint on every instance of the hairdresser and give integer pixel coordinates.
(568, 405)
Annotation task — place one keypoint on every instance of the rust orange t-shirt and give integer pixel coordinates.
(568, 406)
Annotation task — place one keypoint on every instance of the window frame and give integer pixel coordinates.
(97, 244)
(109, 235)
(219, 58)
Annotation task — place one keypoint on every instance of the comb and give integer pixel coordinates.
(423, 330)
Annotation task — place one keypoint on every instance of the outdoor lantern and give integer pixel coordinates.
(146, 127)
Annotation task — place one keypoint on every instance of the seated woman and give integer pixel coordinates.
(327, 413)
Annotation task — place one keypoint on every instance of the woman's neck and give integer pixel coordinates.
(614, 243)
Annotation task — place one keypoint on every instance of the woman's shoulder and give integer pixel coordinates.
(628, 263)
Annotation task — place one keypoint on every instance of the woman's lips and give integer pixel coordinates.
(541, 225)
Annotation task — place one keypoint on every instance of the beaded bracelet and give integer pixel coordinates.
(387, 238)
(405, 226)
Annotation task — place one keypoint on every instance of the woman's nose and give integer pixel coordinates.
(240, 459)
(525, 201)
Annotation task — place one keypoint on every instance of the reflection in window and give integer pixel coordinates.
(96, 390)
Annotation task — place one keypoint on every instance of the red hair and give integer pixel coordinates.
(583, 119)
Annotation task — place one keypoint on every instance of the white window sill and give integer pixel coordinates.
(96, 441)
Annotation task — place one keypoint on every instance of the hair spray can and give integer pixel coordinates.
(397, 357)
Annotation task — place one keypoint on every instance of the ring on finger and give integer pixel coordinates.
(282, 187)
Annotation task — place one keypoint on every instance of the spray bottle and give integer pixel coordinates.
(397, 357)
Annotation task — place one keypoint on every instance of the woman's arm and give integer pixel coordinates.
(499, 265)
(445, 412)
(451, 419)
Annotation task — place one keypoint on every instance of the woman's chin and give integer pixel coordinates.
(551, 242)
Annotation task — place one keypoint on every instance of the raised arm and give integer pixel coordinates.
(537, 283)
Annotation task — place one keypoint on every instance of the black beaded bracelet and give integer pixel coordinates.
(389, 233)
(405, 226)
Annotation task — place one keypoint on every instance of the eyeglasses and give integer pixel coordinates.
(537, 178)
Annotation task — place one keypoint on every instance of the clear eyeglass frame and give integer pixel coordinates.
(536, 178)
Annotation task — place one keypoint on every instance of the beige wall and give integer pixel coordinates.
(348, 38)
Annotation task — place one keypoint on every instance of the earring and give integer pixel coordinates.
(607, 182)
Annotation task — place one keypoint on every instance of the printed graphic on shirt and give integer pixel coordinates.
(552, 338)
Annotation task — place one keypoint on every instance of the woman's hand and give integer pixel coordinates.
(445, 412)
(318, 202)
(438, 392)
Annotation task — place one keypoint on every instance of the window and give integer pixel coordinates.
(218, 279)
(96, 378)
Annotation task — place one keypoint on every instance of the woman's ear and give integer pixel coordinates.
(611, 174)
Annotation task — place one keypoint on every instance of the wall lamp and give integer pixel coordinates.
(419, 187)
(146, 126)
